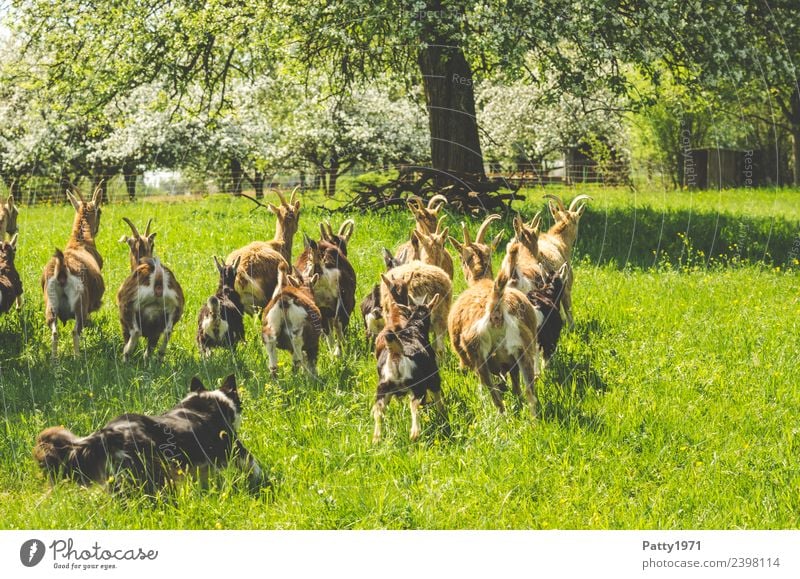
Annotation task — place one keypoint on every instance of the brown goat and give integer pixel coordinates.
(292, 321)
(10, 283)
(424, 281)
(335, 292)
(150, 300)
(72, 281)
(493, 331)
(259, 261)
(8, 217)
(555, 246)
(432, 249)
(426, 217)
(476, 257)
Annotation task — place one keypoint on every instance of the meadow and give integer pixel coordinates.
(673, 403)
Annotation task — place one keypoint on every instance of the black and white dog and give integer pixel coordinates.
(153, 451)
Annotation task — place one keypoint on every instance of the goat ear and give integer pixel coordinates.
(235, 264)
(517, 223)
(434, 300)
(296, 206)
(443, 234)
(562, 271)
(294, 281)
(151, 237)
(196, 385)
(389, 283)
(229, 384)
(218, 264)
(388, 258)
(74, 200)
(124, 239)
(273, 209)
(497, 239)
(313, 280)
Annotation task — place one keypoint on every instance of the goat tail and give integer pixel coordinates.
(283, 278)
(213, 305)
(60, 269)
(393, 343)
(507, 268)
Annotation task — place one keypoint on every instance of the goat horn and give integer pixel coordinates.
(132, 226)
(536, 221)
(439, 225)
(347, 222)
(294, 193)
(467, 240)
(281, 197)
(557, 200)
(439, 199)
(484, 226)
(329, 233)
(416, 199)
(147, 229)
(577, 199)
(323, 234)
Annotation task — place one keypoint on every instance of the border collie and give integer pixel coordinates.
(198, 434)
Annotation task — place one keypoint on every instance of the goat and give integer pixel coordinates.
(406, 363)
(259, 261)
(422, 280)
(493, 330)
(340, 239)
(431, 247)
(546, 299)
(528, 268)
(425, 216)
(220, 323)
(372, 313)
(8, 218)
(371, 304)
(150, 300)
(292, 321)
(335, 291)
(72, 280)
(555, 245)
(10, 283)
(476, 257)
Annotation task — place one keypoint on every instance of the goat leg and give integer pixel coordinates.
(272, 354)
(377, 413)
(530, 373)
(414, 404)
(486, 379)
(133, 338)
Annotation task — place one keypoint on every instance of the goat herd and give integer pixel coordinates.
(500, 326)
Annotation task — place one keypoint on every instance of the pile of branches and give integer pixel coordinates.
(465, 193)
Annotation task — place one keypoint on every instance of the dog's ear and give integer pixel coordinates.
(196, 386)
(229, 384)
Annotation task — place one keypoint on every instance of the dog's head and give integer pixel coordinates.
(224, 400)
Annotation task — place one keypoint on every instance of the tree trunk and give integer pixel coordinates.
(237, 175)
(258, 183)
(129, 175)
(450, 99)
(333, 176)
(319, 180)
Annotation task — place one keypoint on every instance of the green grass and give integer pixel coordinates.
(673, 404)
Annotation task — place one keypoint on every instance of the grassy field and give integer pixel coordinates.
(673, 404)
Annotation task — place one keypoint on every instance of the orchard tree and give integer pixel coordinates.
(523, 122)
(104, 49)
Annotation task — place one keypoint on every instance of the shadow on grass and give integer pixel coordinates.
(645, 237)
